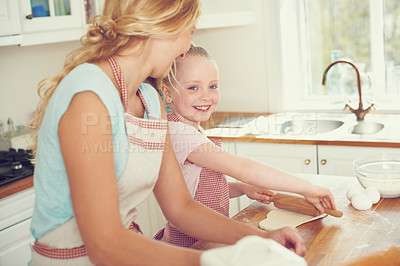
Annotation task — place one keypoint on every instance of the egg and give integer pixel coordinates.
(373, 194)
(361, 201)
(351, 191)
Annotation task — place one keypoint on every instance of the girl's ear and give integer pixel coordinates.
(166, 93)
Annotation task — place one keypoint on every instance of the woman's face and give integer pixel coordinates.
(166, 49)
(196, 95)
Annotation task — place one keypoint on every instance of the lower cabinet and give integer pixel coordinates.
(15, 244)
(287, 157)
(338, 160)
(291, 158)
(306, 159)
(15, 220)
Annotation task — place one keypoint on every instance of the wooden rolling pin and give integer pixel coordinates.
(299, 204)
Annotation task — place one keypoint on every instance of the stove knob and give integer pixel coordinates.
(16, 166)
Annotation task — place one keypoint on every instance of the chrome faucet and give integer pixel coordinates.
(360, 112)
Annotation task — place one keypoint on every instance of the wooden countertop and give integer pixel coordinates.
(332, 241)
(338, 140)
(16, 186)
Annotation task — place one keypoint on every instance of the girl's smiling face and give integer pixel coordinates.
(196, 93)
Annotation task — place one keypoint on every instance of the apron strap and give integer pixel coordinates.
(70, 253)
(144, 102)
(121, 83)
(59, 253)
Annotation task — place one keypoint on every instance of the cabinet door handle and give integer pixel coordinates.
(30, 16)
(323, 162)
(307, 161)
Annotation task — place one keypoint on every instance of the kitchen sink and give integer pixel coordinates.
(366, 128)
(235, 121)
(309, 127)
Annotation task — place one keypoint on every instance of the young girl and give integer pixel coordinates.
(191, 91)
(103, 147)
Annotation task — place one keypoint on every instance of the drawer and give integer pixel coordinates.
(16, 208)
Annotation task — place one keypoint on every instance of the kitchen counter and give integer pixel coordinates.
(266, 129)
(16, 186)
(331, 241)
(268, 124)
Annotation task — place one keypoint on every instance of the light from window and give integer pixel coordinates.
(365, 31)
(392, 46)
(338, 29)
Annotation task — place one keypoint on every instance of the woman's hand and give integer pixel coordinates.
(321, 198)
(289, 238)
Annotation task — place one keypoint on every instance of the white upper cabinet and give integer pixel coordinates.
(226, 13)
(214, 13)
(44, 15)
(9, 18)
(47, 21)
(31, 22)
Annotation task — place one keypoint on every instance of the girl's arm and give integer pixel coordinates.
(260, 175)
(237, 189)
(94, 192)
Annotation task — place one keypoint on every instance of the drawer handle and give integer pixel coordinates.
(307, 162)
(323, 162)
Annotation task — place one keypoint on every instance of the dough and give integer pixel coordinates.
(251, 250)
(280, 218)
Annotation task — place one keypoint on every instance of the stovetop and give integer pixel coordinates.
(15, 165)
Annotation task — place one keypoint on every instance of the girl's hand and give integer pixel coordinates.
(321, 198)
(261, 195)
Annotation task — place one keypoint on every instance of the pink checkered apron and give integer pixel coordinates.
(212, 191)
(64, 245)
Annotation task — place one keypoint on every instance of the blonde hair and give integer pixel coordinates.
(193, 51)
(123, 22)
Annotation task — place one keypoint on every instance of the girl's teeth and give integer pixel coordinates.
(202, 107)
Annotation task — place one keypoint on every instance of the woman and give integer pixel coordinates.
(103, 146)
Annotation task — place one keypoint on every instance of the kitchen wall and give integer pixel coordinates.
(239, 52)
(21, 69)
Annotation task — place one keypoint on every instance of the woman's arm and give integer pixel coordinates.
(194, 219)
(94, 192)
(260, 175)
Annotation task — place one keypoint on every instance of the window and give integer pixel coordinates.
(313, 33)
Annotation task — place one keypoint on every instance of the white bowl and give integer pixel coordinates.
(381, 171)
